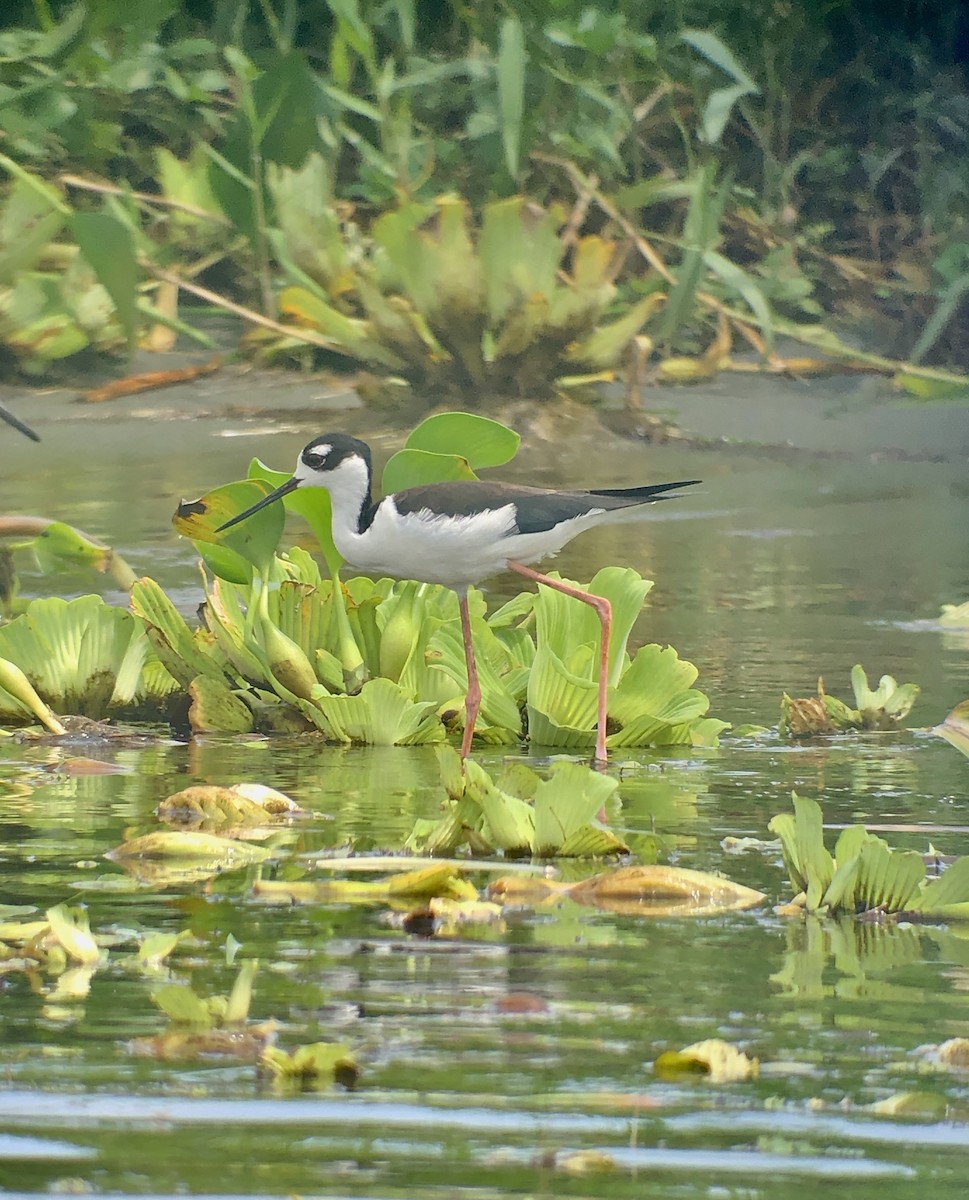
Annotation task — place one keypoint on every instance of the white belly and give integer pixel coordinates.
(456, 551)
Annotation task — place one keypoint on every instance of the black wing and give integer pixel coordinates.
(536, 509)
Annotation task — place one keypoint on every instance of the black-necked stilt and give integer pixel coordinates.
(8, 416)
(459, 533)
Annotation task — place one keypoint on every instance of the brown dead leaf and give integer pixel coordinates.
(87, 766)
(206, 806)
(954, 1053)
(176, 1045)
(148, 381)
(807, 717)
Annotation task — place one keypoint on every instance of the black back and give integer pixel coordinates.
(536, 509)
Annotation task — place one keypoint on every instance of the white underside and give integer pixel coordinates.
(456, 551)
(431, 548)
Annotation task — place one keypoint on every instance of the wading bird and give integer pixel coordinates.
(459, 533)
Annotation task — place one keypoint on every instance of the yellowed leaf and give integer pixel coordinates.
(644, 891)
(717, 1059)
(70, 928)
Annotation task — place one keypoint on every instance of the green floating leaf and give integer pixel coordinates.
(519, 812)
(947, 896)
(180, 1004)
(809, 865)
(566, 803)
(889, 704)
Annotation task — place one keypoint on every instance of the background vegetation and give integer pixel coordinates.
(743, 167)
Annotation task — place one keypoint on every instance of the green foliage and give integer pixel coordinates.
(445, 304)
(519, 812)
(52, 305)
(883, 709)
(82, 656)
(739, 177)
(864, 874)
(380, 662)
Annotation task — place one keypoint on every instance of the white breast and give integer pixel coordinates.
(456, 551)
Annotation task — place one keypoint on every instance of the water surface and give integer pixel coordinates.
(505, 1060)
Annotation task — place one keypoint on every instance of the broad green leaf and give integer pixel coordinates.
(510, 821)
(520, 254)
(254, 540)
(939, 895)
(240, 998)
(179, 1003)
(480, 440)
(306, 308)
(566, 802)
(816, 863)
(887, 879)
(109, 247)
(29, 220)
(216, 708)
(413, 468)
(178, 647)
(74, 653)
(380, 715)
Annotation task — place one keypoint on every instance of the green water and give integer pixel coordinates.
(487, 1060)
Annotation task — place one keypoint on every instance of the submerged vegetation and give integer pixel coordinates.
(576, 192)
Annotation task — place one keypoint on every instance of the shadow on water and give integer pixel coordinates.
(517, 1058)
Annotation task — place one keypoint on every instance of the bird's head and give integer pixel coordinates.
(334, 461)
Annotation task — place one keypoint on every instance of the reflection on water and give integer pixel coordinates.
(506, 1060)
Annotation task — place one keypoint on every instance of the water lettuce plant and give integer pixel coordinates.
(519, 813)
(882, 709)
(514, 302)
(864, 874)
(282, 645)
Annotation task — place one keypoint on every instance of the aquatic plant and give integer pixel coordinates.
(519, 812)
(373, 661)
(882, 709)
(54, 546)
(864, 874)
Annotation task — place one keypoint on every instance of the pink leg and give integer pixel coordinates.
(472, 701)
(604, 609)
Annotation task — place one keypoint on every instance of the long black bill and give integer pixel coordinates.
(283, 490)
(7, 415)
